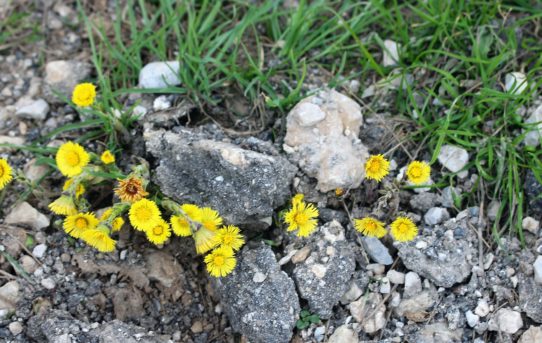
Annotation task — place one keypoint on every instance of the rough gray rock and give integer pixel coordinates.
(62, 77)
(436, 215)
(532, 138)
(530, 295)
(34, 109)
(532, 335)
(322, 137)
(533, 189)
(10, 294)
(265, 311)
(244, 186)
(453, 158)
(56, 326)
(159, 75)
(26, 215)
(424, 201)
(323, 277)
(377, 251)
(506, 320)
(443, 260)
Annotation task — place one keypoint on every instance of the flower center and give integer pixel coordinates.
(403, 227)
(219, 260)
(371, 226)
(374, 167)
(72, 158)
(131, 189)
(416, 172)
(144, 213)
(158, 230)
(300, 218)
(228, 239)
(81, 223)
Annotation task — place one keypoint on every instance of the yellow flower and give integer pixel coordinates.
(131, 189)
(370, 227)
(220, 262)
(192, 211)
(339, 192)
(377, 167)
(84, 94)
(107, 157)
(71, 158)
(5, 173)
(403, 229)
(144, 214)
(210, 219)
(159, 233)
(181, 226)
(117, 224)
(80, 189)
(230, 237)
(301, 217)
(63, 206)
(205, 240)
(418, 172)
(99, 239)
(76, 224)
(106, 214)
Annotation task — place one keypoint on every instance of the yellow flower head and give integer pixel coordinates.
(84, 94)
(144, 214)
(418, 172)
(339, 192)
(230, 237)
(210, 219)
(79, 190)
(131, 189)
(63, 206)
(192, 211)
(107, 157)
(370, 227)
(205, 240)
(5, 173)
(117, 224)
(181, 226)
(76, 224)
(99, 239)
(106, 214)
(403, 229)
(159, 233)
(71, 158)
(377, 167)
(220, 262)
(301, 217)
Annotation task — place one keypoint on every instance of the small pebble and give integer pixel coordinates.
(15, 328)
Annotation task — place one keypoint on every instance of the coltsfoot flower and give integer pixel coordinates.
(418, 172)
(5, 173)
(107, 157)
(117, 224)
(230, 237)
(403, 229)
(99, 239)
(131, 189)
(210, 219)
(144, 214)
(180, 226)
(84, 94)
(205, 240)
(71, 158)
(370, 227)
(76, 224)
(64, 206)
(159, 233)
(377, 167)
(220, 262)
(301, 217)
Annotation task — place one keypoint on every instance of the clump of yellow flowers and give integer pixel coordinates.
(302, 217)
(145, 212)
